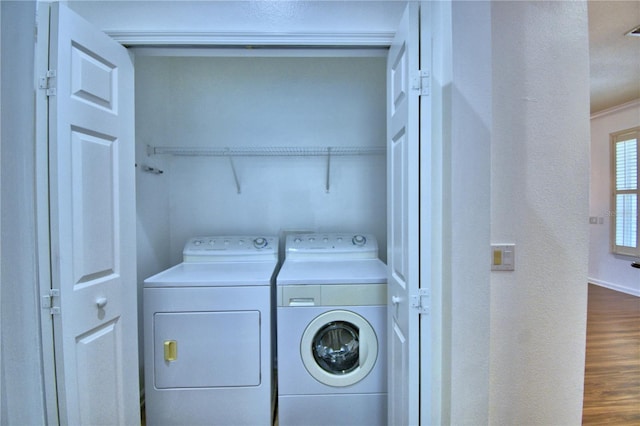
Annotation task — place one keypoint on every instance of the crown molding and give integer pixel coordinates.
(632, 104)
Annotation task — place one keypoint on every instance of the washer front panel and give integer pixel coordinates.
(294, 377)
(332, 295)
(357, 409)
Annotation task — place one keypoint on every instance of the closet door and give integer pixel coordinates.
(92, 220)
(403, 155)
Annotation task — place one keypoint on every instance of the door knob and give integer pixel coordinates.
(101, 302)
(396, 300)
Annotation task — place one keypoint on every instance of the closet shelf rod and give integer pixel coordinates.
(264, 151)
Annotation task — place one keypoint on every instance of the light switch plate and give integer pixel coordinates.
(503, 257)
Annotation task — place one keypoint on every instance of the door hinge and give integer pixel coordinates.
(45, 83)
(420, 301)
(421, 82)
(48, 301)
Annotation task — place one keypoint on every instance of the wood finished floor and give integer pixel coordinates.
(612, 365)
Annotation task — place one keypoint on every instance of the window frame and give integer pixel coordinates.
(615, 138)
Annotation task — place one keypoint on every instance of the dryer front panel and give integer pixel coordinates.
(206, 349)
(207, 355)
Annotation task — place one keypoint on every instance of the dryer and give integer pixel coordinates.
(207, 334)
(331, 327)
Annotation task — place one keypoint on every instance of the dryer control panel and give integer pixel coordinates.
(230, 247)
(331, 246)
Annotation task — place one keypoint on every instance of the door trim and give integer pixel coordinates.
(193, 38)
(43, 240)
(179, 39)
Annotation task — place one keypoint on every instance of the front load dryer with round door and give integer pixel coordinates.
(331, 327)
(207, 334)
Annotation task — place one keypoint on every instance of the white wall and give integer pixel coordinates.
(254, 16)
(605, 268)
(467, 172)
(20, 371)
(258, 102)
(539, 201)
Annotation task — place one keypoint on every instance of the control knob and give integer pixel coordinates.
(260, 242)
(359, 240)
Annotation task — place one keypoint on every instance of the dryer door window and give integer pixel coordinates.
(339, 348)
(336, 347)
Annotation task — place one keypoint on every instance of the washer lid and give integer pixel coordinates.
(214, 274)
(365, 271)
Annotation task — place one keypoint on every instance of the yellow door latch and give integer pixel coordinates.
(170, 350)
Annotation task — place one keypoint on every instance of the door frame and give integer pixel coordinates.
(439, 17)
(43, 241)
(433, 109)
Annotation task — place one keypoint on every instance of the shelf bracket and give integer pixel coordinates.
(233, 170)
(328, 181)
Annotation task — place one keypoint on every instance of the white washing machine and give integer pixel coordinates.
(331, 326)
(207, 334)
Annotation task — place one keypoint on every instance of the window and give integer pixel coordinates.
(625, 235)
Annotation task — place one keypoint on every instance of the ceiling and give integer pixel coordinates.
(614, 57)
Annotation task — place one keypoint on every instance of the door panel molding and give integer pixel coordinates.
(91, 228)
(403, 228)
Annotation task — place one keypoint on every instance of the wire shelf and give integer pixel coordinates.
(282, 151)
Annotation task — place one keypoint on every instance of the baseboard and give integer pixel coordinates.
(616, 287)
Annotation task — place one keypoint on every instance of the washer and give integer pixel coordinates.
(207, 334)
(331, 326)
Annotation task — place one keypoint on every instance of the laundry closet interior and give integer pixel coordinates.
(257, 141)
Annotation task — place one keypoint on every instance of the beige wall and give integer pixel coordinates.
(539, 201)
(605, 268)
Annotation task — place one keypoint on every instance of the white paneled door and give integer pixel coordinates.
(403, 220)
(92, 220)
